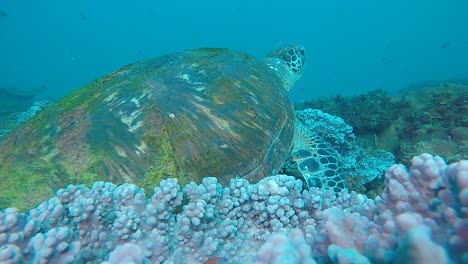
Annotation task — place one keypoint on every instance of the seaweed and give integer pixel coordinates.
(369, 113)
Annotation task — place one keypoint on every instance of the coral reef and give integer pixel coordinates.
(11, 119)
(331, 128)
(437, 122)
(422, 214)
(13, 100)
(370, 165)
(368, 113)
(430, 117)
(359, 165)
(32, 111)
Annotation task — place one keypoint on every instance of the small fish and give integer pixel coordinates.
(445, 45)
(3, 14)
(240, 10)
(385, 60)
(82, 16)
(215, 260)
(388, 45)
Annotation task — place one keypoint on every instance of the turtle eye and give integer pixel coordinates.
(309, 164)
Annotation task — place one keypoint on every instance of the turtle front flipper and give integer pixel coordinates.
(317, 160)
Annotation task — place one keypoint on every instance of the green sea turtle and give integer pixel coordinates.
(203, 112)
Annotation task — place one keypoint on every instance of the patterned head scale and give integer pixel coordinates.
(288, 63)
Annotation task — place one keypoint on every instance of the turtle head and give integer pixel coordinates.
(287, 62)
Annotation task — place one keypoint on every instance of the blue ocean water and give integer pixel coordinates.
(419, 213)
(352, 46)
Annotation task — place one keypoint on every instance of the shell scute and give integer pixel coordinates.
(206, 112)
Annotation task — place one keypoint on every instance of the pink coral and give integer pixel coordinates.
(421, 214)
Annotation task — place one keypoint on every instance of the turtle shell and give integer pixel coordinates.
(189, 115)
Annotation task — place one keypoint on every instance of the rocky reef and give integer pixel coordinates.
(17, 106)
(431, 117)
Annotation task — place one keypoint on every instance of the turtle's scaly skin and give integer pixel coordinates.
(317, 161)
(205, 112)
(288, 63)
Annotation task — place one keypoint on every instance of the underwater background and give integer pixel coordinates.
(352, 46)
(367, 164)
